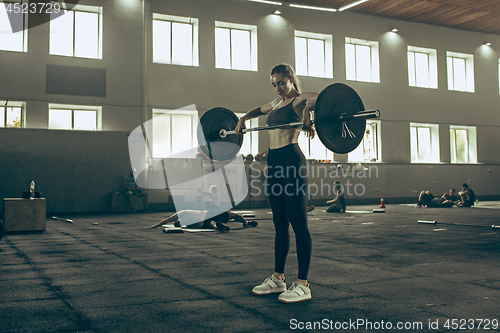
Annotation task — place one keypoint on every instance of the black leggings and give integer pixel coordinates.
(287, 190)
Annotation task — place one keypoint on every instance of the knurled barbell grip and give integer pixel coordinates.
(223, 133)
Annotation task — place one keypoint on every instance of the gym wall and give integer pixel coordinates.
(97, 161)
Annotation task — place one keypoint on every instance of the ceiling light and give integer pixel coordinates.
(268, 2)
(487, 44)
(355, 3)
(277, 12)
(311, 7)
(394, 30)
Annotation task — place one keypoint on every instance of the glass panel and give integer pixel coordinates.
(357, 154)
(318, 150)
(2, 117)
(449, 61)
(424, 144)
(182, 44)
(459, 74)
(414, 144)
(255, 136)
(304, 145)
(161, 135)
(363, 63)
(86, 35)
(422, 69)
(453, 146)
(13, 117)
(85, 120)
(222, 48)
(10, 41)
(161, 42)
(350, 62)
(301, 56)
(181, 133)
(60, 119)
(370, 145)
(61, 35)
(462, 146)
(316, 57)
(240, 49)
(411, 69)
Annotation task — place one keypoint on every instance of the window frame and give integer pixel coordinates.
(434, 143)
(25, 25)
(377, 145)
(252, 136)
(327, 41)
(100, 27)
(194, 22)
(469, 71)
(432, 67)
(374, 59)
(252, 29)
(471, 144)
(156, 112)
(73, 108)
(13, 104)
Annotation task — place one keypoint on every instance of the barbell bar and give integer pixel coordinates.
(339, 119)
(343, 117)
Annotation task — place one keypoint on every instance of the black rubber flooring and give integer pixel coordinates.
(369, 272)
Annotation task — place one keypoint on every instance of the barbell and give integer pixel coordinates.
(339, 119)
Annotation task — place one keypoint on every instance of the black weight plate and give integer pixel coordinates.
(215, 147)
(334, 100)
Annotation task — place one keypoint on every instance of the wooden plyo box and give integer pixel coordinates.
(24, 214)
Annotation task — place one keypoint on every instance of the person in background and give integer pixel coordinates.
(131, 190)
(338, 203)
(467, 196)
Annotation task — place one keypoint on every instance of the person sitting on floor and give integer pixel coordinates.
(197, 219)
(467, 196)
(452, 195)
(338, 203)
(131, 190)
(213, 194)
(426, 198)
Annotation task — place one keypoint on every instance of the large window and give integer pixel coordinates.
(422, 67)
(12, 114)
(362, 60)
(369, 149)
(174, 133)
(75, 117)
(460, 71)
(175, 40)
(250, 139)
(424, 143)
(463, 145)
(313, 54)
(77, 33)
(235, 46)
(314, 148)
(13, 26)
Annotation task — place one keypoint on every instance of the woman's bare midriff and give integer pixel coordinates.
(281, 137)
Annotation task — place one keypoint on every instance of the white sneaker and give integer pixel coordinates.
(269, 286)
(296, 293)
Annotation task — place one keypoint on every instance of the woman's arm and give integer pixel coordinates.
(308, 100)
(254, 113)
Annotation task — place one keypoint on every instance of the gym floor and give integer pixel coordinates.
(108, 273)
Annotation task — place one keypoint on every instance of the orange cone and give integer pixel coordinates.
(382, 203)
